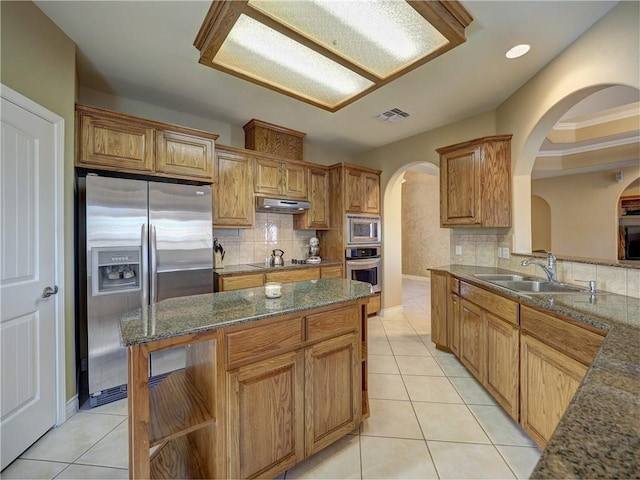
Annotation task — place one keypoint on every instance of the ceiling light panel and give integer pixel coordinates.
(266, 55)
(327, 53)
(380, 36)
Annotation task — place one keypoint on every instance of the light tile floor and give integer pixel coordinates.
(429, 419)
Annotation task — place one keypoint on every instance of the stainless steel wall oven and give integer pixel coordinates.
(364, 264)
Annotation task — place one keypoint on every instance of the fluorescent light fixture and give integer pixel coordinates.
(327, 53)
(517, 51)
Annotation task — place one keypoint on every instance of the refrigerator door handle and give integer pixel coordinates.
(154, 264)
(144, 290)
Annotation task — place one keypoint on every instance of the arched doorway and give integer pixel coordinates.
(524, 173)
(395, 215)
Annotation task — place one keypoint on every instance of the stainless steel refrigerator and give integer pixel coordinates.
(144, 242)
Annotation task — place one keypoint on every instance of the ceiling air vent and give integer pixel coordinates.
(392, 116)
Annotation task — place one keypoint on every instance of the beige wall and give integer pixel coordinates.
(584, 211)
(424, 243)
(540, 224)
(38, 61)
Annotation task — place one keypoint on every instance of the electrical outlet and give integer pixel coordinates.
(505, 252)
(458, 250)
(499, 252)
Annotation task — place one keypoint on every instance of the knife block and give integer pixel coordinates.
(217, 260)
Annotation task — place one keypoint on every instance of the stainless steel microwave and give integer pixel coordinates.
(363, 230)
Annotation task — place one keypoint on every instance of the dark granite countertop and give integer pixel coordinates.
(199, 313)
(257, 267)
(599, 434)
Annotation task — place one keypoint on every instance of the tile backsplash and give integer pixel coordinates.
(254, 245)
(482, 250)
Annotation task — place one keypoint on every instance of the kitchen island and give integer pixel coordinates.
(267, 382)
(599, 434)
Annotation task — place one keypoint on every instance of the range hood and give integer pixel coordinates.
(277, 205)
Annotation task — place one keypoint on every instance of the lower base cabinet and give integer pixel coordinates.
(530, 360)
(549, 381)
(266, 413)
(331, 366)
(502, 376)
(472, 339)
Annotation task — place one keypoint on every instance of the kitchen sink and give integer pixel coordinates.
(503, 277)
(534, 286)
(525, 284)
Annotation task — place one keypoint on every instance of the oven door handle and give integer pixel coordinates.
(364, 262)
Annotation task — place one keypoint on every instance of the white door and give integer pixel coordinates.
(28, 258)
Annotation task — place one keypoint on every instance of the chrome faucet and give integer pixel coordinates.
(550, 268)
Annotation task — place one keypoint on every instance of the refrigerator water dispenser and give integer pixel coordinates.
(115, 270)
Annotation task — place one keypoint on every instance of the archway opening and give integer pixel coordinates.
(571, 158)
(411, 228)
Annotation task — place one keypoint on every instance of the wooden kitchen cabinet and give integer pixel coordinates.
(294, 275)
(502, 375)
(362, 191)
(317, 217)
(332, 366)
(472, 342)
(255, 397)
(233, 205)
(555, 354)
(225, 283)
(274, 139)
(439, 300)
(279, 411)
(183, 154)
(266, 415)
(113, 141)
(489, 343)
(331, 271)
(475, 183)
(280, 178)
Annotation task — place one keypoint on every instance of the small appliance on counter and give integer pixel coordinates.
(314, 250)
(276, 258)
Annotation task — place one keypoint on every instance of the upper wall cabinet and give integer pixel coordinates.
(475, 183)
(109, 140)
(280, 178)
(317, 217)
(274, 139)
(233, 193)
(362, 190)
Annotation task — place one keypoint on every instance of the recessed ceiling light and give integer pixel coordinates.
(517, 51)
